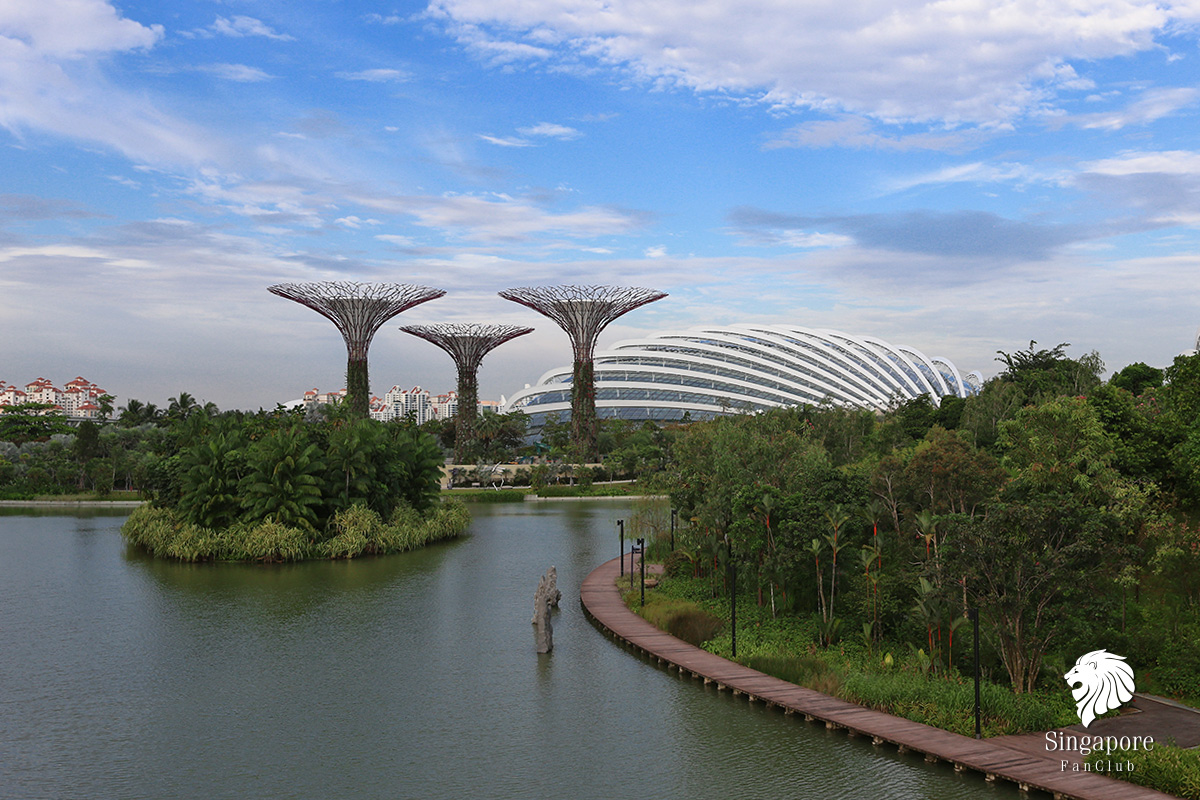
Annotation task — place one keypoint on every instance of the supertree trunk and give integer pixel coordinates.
(583, 311)
(358, 310)
(585, 427)
(358, 387)
(464, 419)
(467, 345)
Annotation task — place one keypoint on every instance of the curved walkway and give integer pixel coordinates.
(602, 602)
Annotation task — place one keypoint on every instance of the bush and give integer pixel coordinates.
(682, 619)
(356, 531)
(1166, 768)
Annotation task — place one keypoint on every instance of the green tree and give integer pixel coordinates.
(284, 478)
(211, 479)
(1136, 378)
(1053, 521)
(32, 422)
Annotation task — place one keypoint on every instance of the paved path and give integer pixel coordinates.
(601, 600)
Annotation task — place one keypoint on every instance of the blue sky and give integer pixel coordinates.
(957, 176)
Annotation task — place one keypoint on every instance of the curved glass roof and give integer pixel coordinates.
(709, 371)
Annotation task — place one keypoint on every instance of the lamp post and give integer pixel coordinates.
(973, 615)
(732, 596)
(642, 564)
(621, 529)
(634, 548)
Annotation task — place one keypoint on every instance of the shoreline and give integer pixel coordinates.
(71, 503)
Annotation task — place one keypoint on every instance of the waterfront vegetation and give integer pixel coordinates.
(1170, 769)
(352, 531)
(1061, 506)
(885, 676)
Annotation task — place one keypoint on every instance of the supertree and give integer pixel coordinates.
(358, 310)
(467, 344)
(583, 311)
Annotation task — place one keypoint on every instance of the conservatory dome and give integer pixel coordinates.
(705, 372)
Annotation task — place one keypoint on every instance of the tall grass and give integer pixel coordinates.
(353, 532)
(1166, 768)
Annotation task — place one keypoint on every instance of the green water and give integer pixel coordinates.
(410, 676)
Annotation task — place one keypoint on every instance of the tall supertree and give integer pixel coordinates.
(358, 310)
(583, 311)
(467, 344)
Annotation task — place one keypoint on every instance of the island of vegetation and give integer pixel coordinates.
(278, 488)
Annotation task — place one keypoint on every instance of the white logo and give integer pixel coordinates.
(1105, 681)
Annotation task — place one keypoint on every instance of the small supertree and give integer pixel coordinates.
(583, 311)
(358, 310)
(467, 344)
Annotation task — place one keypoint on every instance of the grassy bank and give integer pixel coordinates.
(353, 532)
(72, 497)
(1166, 768)
(885, 677)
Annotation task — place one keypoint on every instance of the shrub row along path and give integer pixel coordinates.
(601, 599)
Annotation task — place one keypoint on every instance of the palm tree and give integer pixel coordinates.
(131, 413)
(837, 515)
(182, 407)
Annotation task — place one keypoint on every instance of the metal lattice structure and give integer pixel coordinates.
(583, 312)
(467, 344)
(358, 310)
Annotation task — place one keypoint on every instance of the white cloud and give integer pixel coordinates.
(658, 251)
(354, 223)
(236, 72)
(51, 80)
(915, 60)
(1170, 162)
(375, 75)
(379, 19)
(240, 26)
(976, 172)
(504, 141)
(856, 133)
(1151, 106)
(551, 130)
(502, 218)
(396, 239)
(69, 28)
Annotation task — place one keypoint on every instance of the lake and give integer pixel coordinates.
(407, 676)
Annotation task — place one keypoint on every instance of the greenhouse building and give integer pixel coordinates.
(709, 371)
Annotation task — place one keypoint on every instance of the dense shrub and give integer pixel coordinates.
(354, 531)
(1166, 768)
(682, 619)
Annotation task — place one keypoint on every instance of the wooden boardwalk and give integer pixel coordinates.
(602, 602)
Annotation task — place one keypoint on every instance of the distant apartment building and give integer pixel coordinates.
(79, 400)
(400, 402)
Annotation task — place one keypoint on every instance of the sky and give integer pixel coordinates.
(960, 176)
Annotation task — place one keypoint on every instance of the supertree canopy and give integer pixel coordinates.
(583, 311)
(467, 344)
(358, 310)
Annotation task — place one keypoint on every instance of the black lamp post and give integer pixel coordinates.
(732, 596)
(642, 564)
(621, 529)
(973, 615)
(634, 548)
